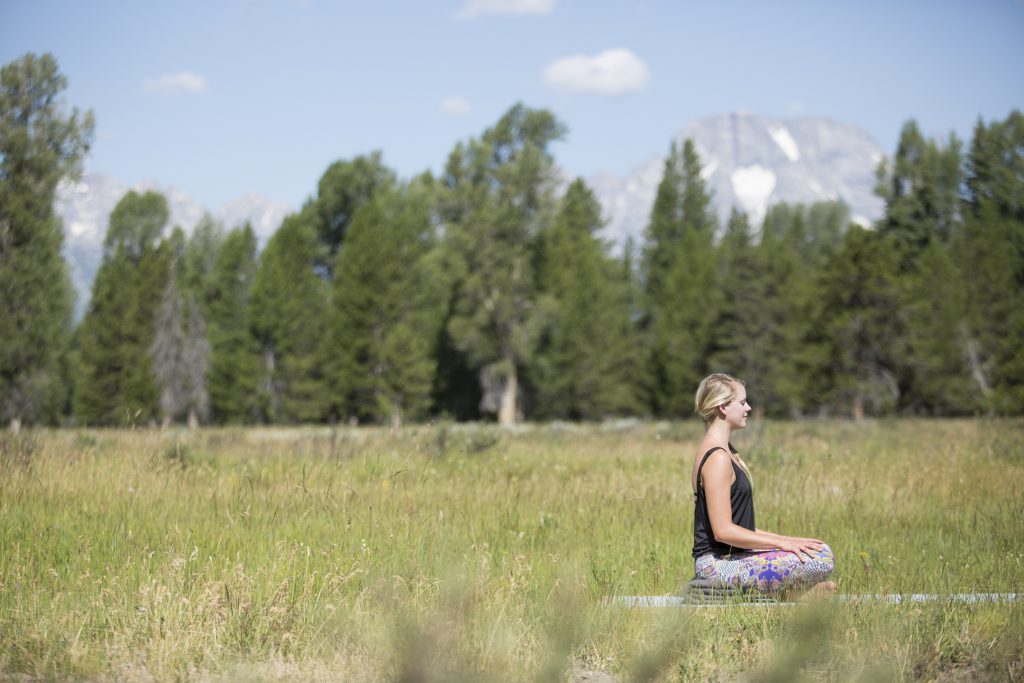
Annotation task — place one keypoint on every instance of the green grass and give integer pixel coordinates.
(453, 552)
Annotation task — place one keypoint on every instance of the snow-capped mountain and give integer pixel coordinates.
(751, 162)
(85, 208)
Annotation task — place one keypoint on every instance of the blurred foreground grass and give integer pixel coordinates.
(466, 552)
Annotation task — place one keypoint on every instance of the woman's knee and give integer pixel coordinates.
(827, 558)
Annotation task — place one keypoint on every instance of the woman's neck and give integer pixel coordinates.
(719, 432)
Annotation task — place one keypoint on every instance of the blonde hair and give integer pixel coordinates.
(717, 390)
(714, 391)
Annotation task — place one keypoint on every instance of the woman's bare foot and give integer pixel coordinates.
(819, 590)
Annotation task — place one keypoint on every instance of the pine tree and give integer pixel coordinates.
(286, 315)
(197, 261)
(991, 255)
(385, 310)
(136, 225)
(102, 366)
(861, 299)
(40, 144)
(766, 328)
(826, 223)
(499, 198)
(632, 357)
(583, 366)
(665, 227)
(921, 192)
(934, 307)
(796, 244)
(681, 293)
(115, 380)
(738, 328)
(234, 357)
(343, 188)
(922, 213)
(822, 234)
(698, 215)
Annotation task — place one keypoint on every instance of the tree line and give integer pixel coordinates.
(488, 292)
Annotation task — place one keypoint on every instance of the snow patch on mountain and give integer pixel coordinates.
(752, 186)
(708, 169)
(78, 228)
(785, 142)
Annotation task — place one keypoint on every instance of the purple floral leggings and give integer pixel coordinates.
(767, 571)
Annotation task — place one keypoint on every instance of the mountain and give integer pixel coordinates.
(85, 208)
(751, 162)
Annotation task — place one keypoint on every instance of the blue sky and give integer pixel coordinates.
(227, 97)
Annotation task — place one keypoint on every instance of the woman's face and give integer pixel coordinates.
(735, 411)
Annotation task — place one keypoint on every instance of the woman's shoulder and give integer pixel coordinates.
(713, 461)
(709, 449)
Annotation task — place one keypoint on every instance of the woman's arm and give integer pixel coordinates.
(781, 537)
(717, 478)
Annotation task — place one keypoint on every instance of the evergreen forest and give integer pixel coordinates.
(487, 292)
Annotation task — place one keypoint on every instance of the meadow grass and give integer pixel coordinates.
(467, 552)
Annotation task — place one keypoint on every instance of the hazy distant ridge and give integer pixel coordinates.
(85, 207)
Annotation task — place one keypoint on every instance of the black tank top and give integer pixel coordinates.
(741, 498)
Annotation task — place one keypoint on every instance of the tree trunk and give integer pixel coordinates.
(509, 408)
(977, 372)
(193, 419)
(858, 407)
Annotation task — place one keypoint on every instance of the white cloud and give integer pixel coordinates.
(476, 8)
(174, 84)
(455, 106)
(610, 73)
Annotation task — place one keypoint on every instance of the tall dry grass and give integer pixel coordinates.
(462, 552)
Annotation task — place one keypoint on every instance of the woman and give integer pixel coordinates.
(727, 546)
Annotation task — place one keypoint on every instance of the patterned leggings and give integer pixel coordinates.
(767, 571)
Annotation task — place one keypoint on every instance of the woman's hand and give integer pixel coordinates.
(808, 540)
(801, 547)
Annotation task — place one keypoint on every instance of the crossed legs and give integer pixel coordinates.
(769, 571)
